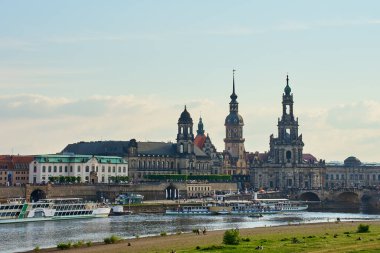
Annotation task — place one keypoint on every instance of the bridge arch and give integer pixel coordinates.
(351, 197)
(309, 196)
(37, 194)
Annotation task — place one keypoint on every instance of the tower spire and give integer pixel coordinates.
(233, 95)
(287, 87)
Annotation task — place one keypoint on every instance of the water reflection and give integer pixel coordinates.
(26, 236)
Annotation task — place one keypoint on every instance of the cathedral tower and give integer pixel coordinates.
(235, 162)
(288, 147)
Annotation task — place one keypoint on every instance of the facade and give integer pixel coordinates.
(352, 174)
(203, 142)
(14, 170)
(155, 158)
(90, 169)
(285, 166)
(234, 154)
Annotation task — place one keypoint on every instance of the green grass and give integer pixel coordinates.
(337, 240)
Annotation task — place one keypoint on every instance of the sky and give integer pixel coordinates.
(93, 70)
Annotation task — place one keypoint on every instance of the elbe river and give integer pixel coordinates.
(26, 236)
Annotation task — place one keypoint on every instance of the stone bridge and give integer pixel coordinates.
(351, 197)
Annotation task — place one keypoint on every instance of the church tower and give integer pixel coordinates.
(185, 137)
(288, 147)
(234, 153)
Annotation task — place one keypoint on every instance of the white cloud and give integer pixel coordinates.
(34, 123)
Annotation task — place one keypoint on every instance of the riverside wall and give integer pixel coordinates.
(150, 191)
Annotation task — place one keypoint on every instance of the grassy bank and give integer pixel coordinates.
(321, 237)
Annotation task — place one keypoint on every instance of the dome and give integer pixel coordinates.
(185, 117)
(234, 118)
(352, 161)
(287, 89)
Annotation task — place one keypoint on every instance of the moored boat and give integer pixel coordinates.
(189, 210)
(18, 210)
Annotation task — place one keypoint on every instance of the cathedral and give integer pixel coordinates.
(285, 166)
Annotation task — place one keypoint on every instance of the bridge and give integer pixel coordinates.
(353, 197)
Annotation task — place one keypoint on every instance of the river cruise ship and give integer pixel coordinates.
(189, 210)
(18, 210)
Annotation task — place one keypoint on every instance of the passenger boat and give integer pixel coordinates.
(18, 210)
(284, 204)
(189, 210)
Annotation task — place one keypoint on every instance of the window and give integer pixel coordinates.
(78, 168)
(66, 169)
(103, 169)
(87, 169)
(35, 169)
(113, 169)
(109, 169)
(124, 170)
(60, 168)
(119, 169)
(71, 168)
(55, 168)
(337, 176)
(49, 169)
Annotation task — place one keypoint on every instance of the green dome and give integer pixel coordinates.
(287, 89)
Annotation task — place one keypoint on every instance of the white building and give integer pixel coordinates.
(94, 169)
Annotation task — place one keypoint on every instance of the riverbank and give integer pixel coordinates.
(319, 237)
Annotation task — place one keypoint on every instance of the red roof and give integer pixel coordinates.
(200, 140)
(9, 161)
(309, 158)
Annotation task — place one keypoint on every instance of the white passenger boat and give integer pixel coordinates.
(189, 210)
(18, 210)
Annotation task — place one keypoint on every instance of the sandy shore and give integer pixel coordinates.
(191, 240)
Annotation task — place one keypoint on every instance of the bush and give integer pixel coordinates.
(89, 244)
(246, 239)
(112, 239)
(231, 237)
(78, 244)
(295, 240)
(37, 249)
(362, 228)
(163, 233)
(63, 245)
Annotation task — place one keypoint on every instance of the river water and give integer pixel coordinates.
(26, 236)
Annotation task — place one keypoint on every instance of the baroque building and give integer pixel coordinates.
(234, 152)
(285, 166)
(89, 168)
(156, 158)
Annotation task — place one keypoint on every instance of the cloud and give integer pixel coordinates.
(33, 123)
(360, 115)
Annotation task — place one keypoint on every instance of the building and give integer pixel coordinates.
(285, 166)
(234, 154)
(14, 169)
(156, 158)
(352, 174)
(204, 142)
(88, 168)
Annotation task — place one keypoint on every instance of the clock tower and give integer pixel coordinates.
(234, 153)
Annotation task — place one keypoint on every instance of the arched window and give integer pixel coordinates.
(288, 155)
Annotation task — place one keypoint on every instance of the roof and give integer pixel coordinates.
(120, 148)
(71, 158)
(309, 158)
(15, 162)
(200, 140)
